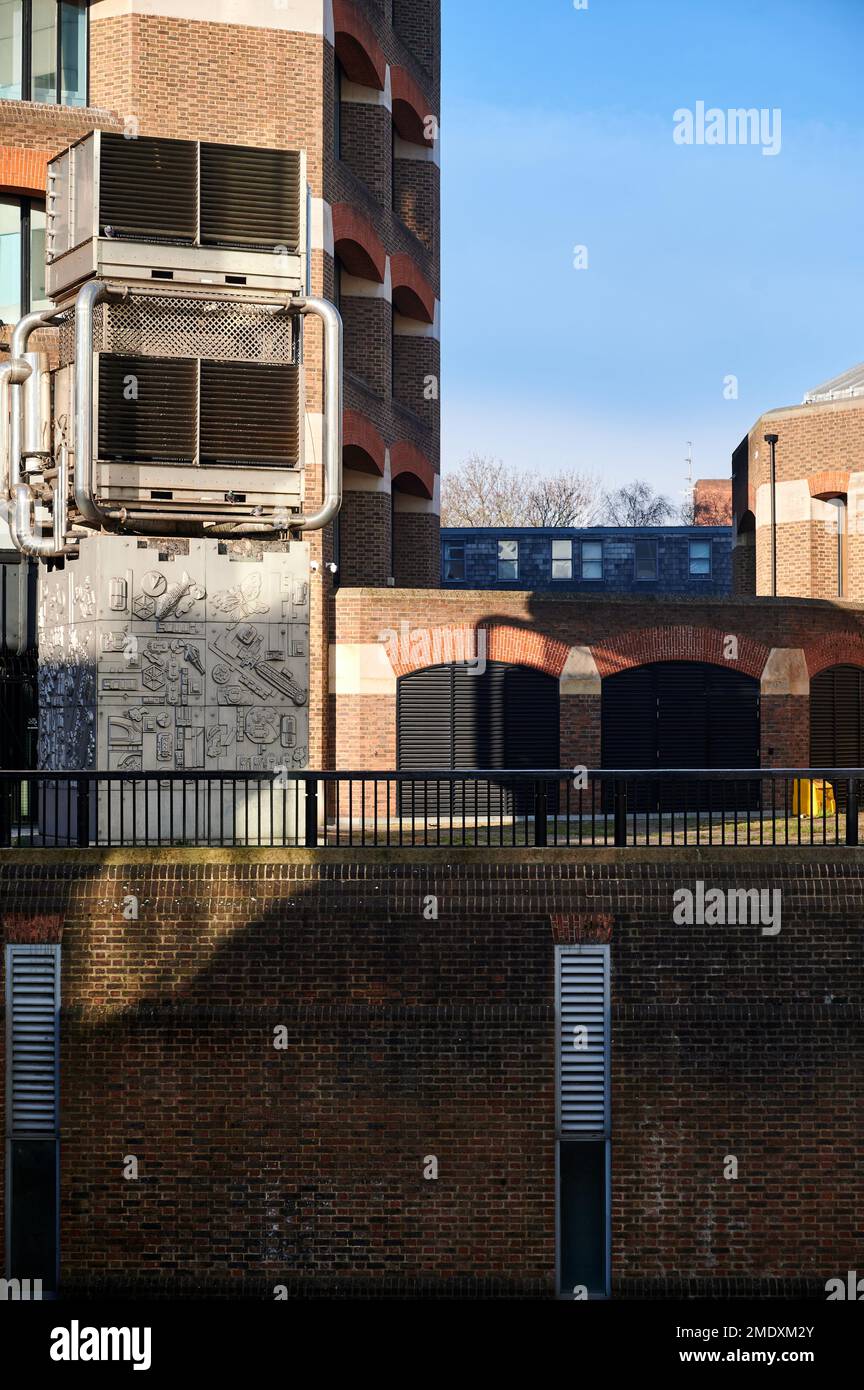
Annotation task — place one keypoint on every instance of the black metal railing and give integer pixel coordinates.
(465, 809)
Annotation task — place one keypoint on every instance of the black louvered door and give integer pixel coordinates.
(837, 721)
(452, 717)
(679, 715)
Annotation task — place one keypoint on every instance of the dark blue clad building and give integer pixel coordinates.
(693, 560)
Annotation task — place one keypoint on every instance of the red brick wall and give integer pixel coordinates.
(536, 630)
(409, 1037)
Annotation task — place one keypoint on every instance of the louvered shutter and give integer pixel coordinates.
(836, 718)
(32, 1039)
(250, 197)
(148, 188)
(250, 414)
(155, 421)
(583, 1072)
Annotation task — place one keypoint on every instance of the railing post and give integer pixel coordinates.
(852, 811)
(541, 823)
(6, 793)
(83, 812)
(311, 813)
(620, 813)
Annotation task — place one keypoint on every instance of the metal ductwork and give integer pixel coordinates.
(178, 402)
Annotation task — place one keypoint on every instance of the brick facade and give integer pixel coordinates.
(819, 455)
(780, 644)
(407, 1037)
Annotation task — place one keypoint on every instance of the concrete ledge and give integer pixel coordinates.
(834, 856)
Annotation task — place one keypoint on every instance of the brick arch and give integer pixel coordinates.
(363, 447)
(645, 645)
(834, 649)
(357, 48)
(413, 296)
(449, 642)
(410, 107)
(357, 244)
(413, 467)
(829, 483)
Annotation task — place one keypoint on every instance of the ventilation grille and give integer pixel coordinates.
(165, 326)
(148, 189)
(583, 1059)
(32, 1004)
(249, 415)
(250, 198)
(149, 412)
(147, 409)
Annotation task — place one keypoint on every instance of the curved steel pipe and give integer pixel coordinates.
(332, 443)
(28, 541)
(88, 297)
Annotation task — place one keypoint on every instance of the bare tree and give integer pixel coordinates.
(637, 504)
(485, 492)
(482, 492)
(566, 499)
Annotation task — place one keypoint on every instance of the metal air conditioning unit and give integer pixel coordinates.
(176, 213)
(188, 443)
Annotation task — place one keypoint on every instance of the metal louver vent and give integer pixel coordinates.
(249, 414)
(148, 189)
(250, 197)
(583, 1057)
(147, 409)
(32, 1036)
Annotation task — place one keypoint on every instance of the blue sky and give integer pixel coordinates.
(703, 261)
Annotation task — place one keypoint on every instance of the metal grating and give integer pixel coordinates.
(148, 189)
(250, 415)
(250, 197)
(165, 326)
(147, 409)
(32, 1013)
(583, 1059)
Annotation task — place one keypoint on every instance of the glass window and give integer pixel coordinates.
(73, 54)
(37, 299)
(43, 82)
(646, 559)
(22, 257)
(33, 35)
(454, 562)
(10, 259)
(508, 559)
(11, 48)
(592, 559)
(562, 559)
(700, 559)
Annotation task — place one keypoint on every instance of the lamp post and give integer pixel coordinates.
(772, 440)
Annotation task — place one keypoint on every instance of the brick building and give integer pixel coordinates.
(798, 528)
(354, 83)
(168, 974)
(646, 560)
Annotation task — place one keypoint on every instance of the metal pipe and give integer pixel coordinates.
(40, 546)
(21, 333)
(91, 294)
(332, 442)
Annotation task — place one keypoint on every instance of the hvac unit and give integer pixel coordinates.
(187, 442)
(176, 213)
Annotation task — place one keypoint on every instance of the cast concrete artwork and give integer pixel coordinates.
(175, 656)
